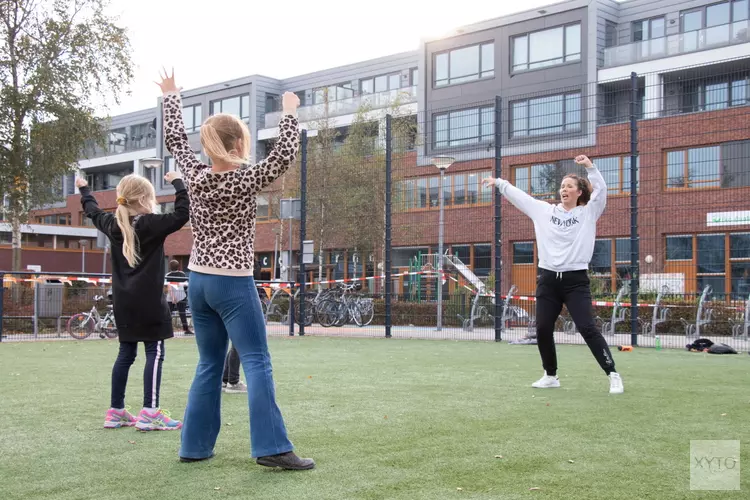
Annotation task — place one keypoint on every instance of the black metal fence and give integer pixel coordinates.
(397, 235)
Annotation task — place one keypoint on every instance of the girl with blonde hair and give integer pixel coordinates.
(136, 236)
(222, 293)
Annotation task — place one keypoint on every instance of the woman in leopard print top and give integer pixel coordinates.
(222, 293)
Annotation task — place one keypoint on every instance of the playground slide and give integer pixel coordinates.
(464, 271)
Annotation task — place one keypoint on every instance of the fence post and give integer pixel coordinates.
(634, 243)
(302, 230)
(498, 224)
(2, 299)
(388, 209)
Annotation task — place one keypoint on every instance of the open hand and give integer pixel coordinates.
(583, 160)
(167, 83)
(489, 181)
(289, 102)
(170, 176)
(81, 182)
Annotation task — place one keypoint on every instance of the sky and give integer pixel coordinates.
(218, 40)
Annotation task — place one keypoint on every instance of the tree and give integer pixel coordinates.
(346, 179)
(56, 58)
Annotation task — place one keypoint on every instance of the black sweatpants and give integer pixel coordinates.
(151, 373)
(181, 307)
(231, 367)
(571, 288)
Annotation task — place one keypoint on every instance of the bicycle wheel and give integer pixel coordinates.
(109, 329)
(366, 312)
(309, 311)
(80, 326)
(328, 312)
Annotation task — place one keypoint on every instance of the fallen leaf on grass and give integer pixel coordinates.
(723, 414)
(309, 376)
(570, 461)
(498, 456)
(534, 489)
(229, 423)
(547, 404)
(386, 417)
(131, 442)
(459, 489)
(217, 488)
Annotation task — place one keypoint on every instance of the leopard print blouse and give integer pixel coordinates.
(223, 204)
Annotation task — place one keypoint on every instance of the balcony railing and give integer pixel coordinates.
(119, 145)
(678, 44)
(348, 106)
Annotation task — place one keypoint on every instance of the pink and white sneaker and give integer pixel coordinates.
(159, 421)
(119, 418)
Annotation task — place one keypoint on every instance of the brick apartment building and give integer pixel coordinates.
(563, 73)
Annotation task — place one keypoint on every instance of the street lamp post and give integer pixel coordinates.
(83, 255)
(442, 163)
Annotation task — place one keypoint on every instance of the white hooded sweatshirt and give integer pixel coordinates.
(565, 239)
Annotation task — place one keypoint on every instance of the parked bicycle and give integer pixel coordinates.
(345, 308)
(82, 325)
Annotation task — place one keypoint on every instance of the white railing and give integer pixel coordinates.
(348, 106)
(678, 44)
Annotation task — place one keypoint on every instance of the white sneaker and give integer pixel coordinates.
(237, 388)
(546, 382)
(615, 383)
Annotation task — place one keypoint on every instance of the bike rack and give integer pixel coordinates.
(702, 317)
(618, 313)
(741, 328)
(660, 314)
(468, 323)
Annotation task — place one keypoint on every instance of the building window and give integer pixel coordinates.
(616, 173)
(715, 94)
(707, 266)
(414, 76)
(679, 248)
(193, 116)
(333, 93)
(381, 83)
(546, 115)
(545, 48)
(648, 29)
(523, 252)
(237, 105)
(713, 166)
(466, 126)
(465, 64)
(56, 219)
(482, 259)
(461, 189)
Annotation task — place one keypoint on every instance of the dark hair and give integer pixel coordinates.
(583, 186)
(174, 265)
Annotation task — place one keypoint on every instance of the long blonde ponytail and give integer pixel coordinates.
(129, 238)
(135, 194)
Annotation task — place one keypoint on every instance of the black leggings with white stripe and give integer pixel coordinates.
(151, 373)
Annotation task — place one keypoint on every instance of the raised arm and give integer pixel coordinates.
(284, 152)
(523, 201)
(166, 224)
(598, 201)
(102, 220)
(175, 137)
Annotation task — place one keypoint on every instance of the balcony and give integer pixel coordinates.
(119, 143)
(678, 44)
(348, 106)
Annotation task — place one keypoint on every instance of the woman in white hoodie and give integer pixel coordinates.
(565, 235)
